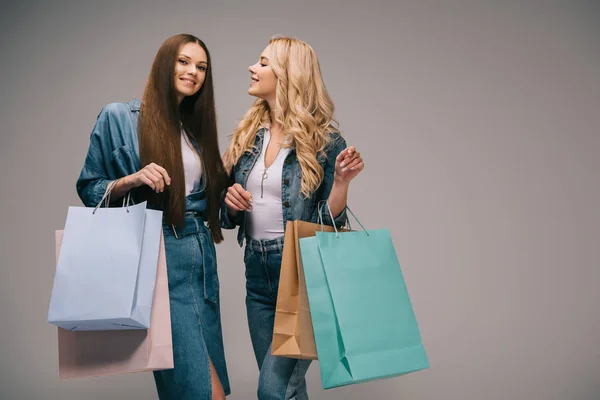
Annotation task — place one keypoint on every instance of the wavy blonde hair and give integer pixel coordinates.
(303, 108)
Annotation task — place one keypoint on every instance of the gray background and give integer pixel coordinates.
(479, 125)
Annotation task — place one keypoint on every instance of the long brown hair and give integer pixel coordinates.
(160, 135)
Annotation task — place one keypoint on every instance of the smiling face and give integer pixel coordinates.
(264, 80)
(190, 70)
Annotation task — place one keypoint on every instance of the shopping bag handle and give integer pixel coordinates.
(337, 234)
(127, 201)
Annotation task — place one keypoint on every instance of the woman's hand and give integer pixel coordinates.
(152, 175)
(238, 199)
(348, 165)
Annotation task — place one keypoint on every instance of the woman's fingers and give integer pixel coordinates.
(237, 198)
(233, 203)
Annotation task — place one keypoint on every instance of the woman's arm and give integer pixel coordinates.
(336, 182)
(235, 199)
(94, 177)
(348, 164)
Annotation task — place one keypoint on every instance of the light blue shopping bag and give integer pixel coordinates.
(363, 320)
(106, 271)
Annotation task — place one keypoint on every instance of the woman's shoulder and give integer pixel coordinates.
(335, 136)
(120, 109)
(335, 142)
(114, 123)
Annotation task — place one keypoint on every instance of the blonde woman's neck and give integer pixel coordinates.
(277, 133)
(275, 127)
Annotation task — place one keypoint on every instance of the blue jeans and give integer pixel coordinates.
(280, 377)
(195, 314)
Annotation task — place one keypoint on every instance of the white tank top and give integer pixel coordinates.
(192, 167)
(265, 221)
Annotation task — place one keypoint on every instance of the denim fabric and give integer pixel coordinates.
(191, 259)
(114, 153)
(280, 377)
(295, 206)
(195, 313)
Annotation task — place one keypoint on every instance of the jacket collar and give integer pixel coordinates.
(260, 136)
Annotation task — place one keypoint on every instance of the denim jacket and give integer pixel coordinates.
(114, 153)
(295, 205)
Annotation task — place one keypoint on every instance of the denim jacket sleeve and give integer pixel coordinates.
(95, 174)
(337, 145)
(228, 222)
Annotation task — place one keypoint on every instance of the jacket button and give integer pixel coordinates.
(288, 161)
(287, 204)
(286, 181)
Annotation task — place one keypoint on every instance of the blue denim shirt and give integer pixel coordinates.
(295, 206)
(114, 153)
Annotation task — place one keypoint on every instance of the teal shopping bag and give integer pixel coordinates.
(364, 324)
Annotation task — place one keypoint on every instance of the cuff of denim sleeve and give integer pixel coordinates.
(226, 221)
(98, 192)
(341, 219)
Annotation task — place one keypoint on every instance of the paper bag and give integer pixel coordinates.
(364, 324)
(106, 271)
(293, 331)
(94, 353)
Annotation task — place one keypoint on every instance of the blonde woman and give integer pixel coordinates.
(288, 161)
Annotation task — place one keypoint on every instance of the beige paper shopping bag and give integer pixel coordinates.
(93, 353)
(293, 331)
